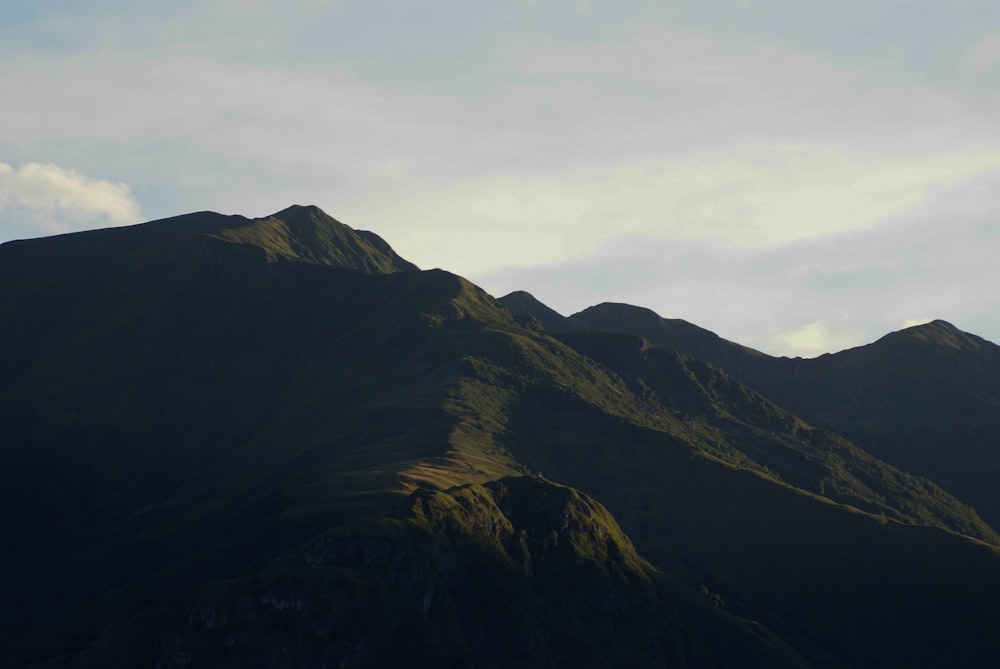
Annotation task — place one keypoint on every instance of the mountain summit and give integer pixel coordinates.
(522, 302)
(309, 234)
(938, 334)
(298, 233)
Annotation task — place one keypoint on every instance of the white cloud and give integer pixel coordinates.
(57, 199)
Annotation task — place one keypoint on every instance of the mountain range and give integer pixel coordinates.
(273, 442)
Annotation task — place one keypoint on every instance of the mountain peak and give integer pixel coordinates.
(301, 208)
(521, 295)
(299, 213)
(671, 333)
(618, 308)
(630, 319)
(309, 234)
(937, 333)
(521, 302)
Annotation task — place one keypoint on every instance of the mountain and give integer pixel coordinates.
(759, 434)
(523, 303)
(306, 234)
(673, 333)
(272, 442)
(923, 399)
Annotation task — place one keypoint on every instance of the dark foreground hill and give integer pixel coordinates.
(272, 442)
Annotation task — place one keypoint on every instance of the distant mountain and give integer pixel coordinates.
(273, 442)
(524, 303)
(673, 333)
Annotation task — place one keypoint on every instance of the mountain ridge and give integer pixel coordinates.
(913, 397)
(643, 321)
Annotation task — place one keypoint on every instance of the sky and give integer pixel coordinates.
(799, 176)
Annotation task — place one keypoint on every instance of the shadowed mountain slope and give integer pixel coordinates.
(234, 442)
(923, 399)
(811, 459)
